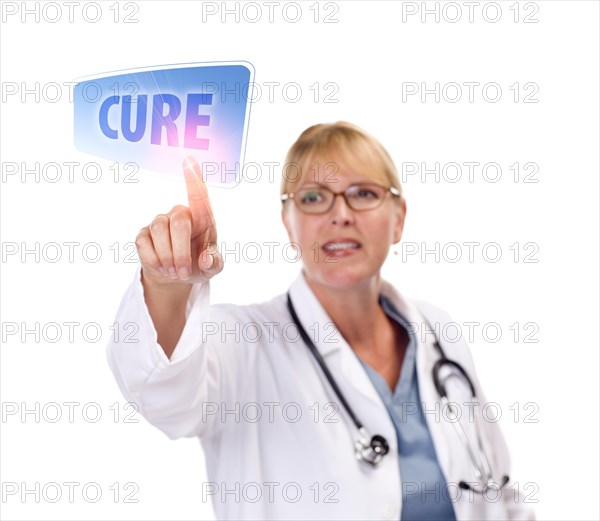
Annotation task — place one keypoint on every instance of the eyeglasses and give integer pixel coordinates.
(359, 197)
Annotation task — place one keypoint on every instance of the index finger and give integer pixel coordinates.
(203, 221)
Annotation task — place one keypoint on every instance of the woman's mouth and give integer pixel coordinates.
(340, 247)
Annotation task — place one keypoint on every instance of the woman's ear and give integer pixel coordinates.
(400, 216)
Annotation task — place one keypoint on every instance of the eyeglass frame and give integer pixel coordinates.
(390, 189)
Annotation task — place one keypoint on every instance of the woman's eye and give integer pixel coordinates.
(311, 197)
(365, 193)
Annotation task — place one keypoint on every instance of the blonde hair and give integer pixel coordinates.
(341, 141)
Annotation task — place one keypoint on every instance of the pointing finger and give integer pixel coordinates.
(203, 221)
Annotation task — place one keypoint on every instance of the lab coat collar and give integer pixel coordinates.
(313, 317)
(319, 325)
(339, 355)
(426, 357)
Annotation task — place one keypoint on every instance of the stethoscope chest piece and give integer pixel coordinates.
(370, 450)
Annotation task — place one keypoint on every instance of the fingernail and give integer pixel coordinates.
(212, 261)
(172, 272)
(184, 273)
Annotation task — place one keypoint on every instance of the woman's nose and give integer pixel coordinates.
(341, 213)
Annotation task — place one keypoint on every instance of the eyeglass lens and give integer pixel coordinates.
(316, 199)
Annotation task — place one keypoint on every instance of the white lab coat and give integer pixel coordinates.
(275, 446)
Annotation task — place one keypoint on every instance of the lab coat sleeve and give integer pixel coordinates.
(172, 394)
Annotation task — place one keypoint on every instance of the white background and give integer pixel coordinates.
(368, 54)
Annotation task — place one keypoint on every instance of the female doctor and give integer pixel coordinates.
(335, 400)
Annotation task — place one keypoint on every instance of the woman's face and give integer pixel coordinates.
(343, 247)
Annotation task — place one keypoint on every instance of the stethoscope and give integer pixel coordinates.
(372, 449)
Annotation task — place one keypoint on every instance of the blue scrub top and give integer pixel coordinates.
(424, 488)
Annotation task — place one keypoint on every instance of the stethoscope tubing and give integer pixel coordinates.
(482, 471)
(311, 346)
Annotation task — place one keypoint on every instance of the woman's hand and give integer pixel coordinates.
(181, 247)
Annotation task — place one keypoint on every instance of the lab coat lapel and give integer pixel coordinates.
(336, 352)
(426, 356)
